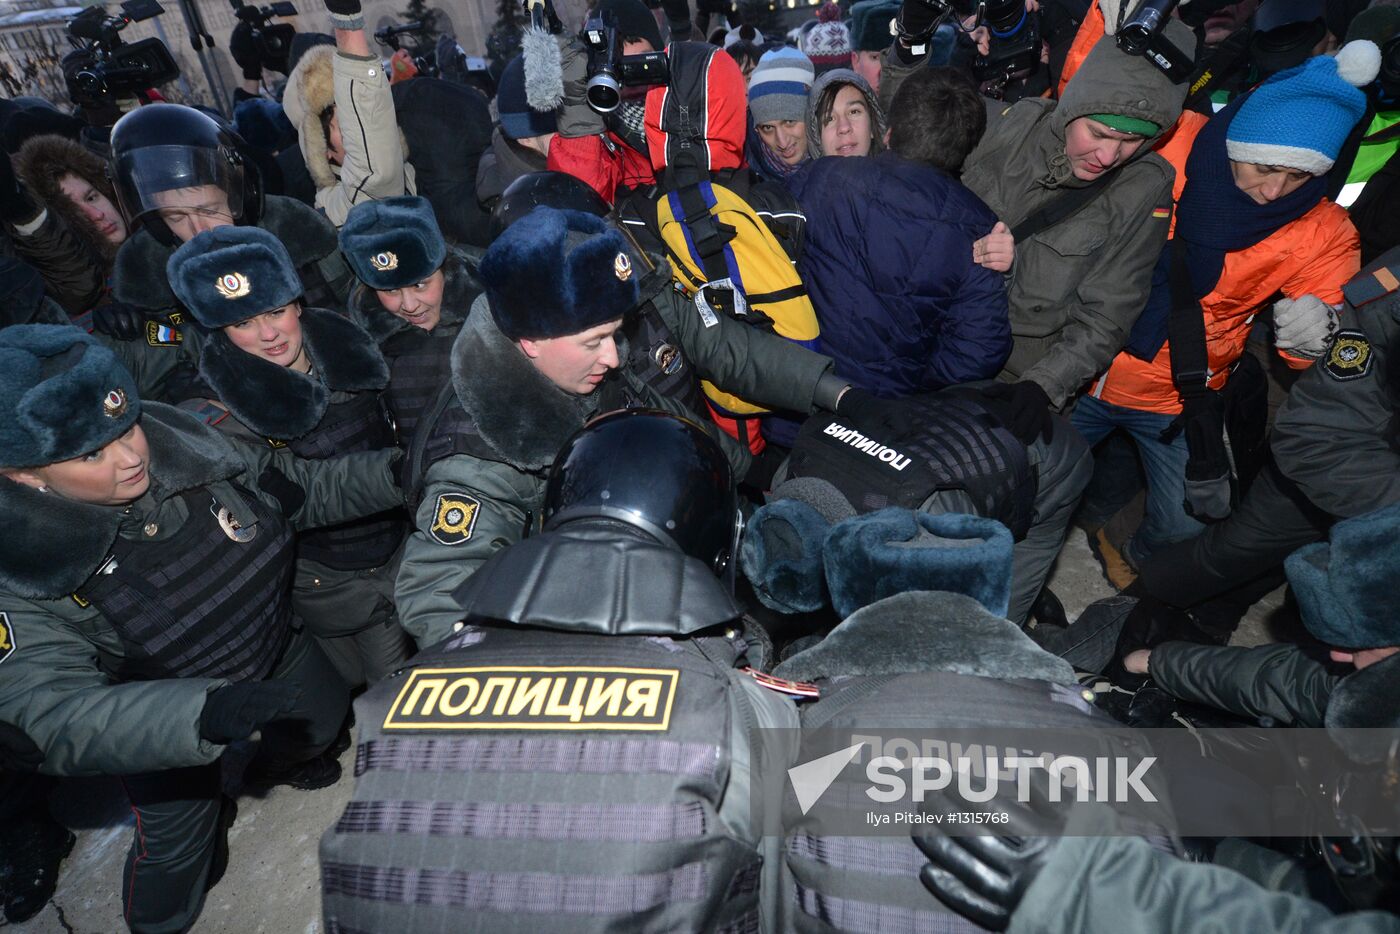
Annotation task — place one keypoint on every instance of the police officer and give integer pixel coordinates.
(178, 172)
(285, 374)
(575, 758)
(414, 292)
(144, 582)
(1336, 454)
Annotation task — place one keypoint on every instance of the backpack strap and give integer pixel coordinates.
(1069, 203)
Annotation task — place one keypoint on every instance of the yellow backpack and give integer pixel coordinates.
(726, 260)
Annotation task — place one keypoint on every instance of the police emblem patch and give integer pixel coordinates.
(114, 405)
(231, 526)
(233, 285)
(1349, 357)
(454, 518)
(622, 267)
(667, 358)
(7, 637)
(385, 261)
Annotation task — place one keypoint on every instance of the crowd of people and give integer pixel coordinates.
(769, 383)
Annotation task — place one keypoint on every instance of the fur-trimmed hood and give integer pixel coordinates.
(52, 545)
(41, 164)
(138, 276)
(460, 289)
(278, 402)
(920, 631)
(309, 91)
(517, 411)
(1363, 711)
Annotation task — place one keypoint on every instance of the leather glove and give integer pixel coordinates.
(1304, 326)
(119, 321)
(345, 14)
(18, 752)
(244, 50)
(984, 877)
(916, 20)
(234, 711)
(1022, 407)
(894, 417)
(16, 207)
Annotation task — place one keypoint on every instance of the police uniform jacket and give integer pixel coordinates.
(58, 652)
(1337, 435)
(485, 459)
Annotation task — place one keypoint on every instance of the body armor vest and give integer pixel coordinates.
(956, 446)
(870, 884)
(655, 356)
(496, 791)
(420, 363)
(357, 424)
(201, 604)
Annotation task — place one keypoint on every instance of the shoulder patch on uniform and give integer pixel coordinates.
(1349, 357)
(1378, 283)
(535, 698)
(162, 335)
(454, 518)
(7, 637)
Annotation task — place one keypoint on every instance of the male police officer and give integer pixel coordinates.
(528, 370)
(576, 756)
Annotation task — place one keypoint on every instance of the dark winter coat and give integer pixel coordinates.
(448, 128)
(888, 264)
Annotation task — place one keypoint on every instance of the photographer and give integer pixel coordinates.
(1087, 204)
(359, 159)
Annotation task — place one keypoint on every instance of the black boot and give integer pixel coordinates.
(32, 850)
(320, 772)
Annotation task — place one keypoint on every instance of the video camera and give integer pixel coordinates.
(609, 70)
(273, 40)
(1015, 42)
(103, 67)
(1142, 35)
(424, 61)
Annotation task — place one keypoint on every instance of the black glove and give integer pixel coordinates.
(894, 417)
(119, 321)
(677, 18)
(983, 878)
(18, 752)
(1022, 407)
(234, 711)
(16, 207)
(244, 49)
(916, 20)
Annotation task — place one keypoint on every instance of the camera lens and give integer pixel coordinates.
(1004, 17)
(603, 92)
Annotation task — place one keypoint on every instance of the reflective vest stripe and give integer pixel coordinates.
(556, 756)
(630, 823)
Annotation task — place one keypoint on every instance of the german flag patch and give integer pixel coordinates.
(1161, 214)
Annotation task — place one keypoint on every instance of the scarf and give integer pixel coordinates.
(765, 162)
(1213, 218)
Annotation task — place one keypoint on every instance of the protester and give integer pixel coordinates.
(843, 116)
(778, 90)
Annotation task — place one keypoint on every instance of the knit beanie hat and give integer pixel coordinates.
(518, 119)
(828, 44)
(1299, 118)
(870, 25)
(634, 19)
(778, 86)
(554, 273)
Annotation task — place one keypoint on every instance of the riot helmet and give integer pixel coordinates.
(552, 189)
(656, 472)
(172, 158)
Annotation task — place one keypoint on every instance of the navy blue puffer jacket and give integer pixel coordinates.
(888, 264)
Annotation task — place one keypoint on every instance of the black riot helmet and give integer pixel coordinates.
(172, 157)
(552, 189)
(654, 471)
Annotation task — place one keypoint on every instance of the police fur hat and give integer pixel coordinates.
(62, 395)
(1346, 586)
(781, 555)
(895, 550)
(554, 273)
(392, 243)
(230, 274)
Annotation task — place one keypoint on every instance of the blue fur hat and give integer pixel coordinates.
(895, 550)
(230, 274)
(393, 243)
(1346, 587)
(62, 395)
(781, 555)
(554, 273)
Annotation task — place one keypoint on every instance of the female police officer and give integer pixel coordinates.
(144, 611)
(413, 296)
(310, 380)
